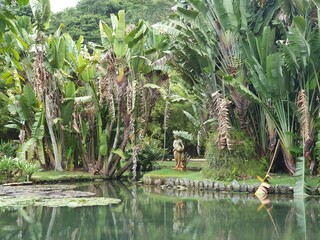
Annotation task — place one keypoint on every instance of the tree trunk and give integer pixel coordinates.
(110, 162)
(124, 168)
(63, 144)
(122, 147)
(49, 153)
(57, 156)
(289, 161)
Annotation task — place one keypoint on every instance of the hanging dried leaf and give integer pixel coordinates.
(306, 128)
(221, 109)
(242, 105)
(302, 103)
(39, 76)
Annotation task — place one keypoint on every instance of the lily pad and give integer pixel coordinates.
(17, 201)
(56, 202)
(50, 196)
(78, 202)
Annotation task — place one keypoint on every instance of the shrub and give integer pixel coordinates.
(29, 168)
(239, 163)
(150, 152)
(7, 167)
(8, 148)
(10, 166)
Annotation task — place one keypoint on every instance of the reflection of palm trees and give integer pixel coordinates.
(150, 216)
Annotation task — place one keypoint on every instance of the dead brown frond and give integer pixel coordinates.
(167, 108)
(40, 76)
(242, 105)
(303, 105)
(161, 62)
(112, 86)
(103, 86)
(306, 128)
(221, 109)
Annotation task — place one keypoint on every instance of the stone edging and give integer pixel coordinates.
(234, 186)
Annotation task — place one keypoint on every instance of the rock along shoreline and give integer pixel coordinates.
(207, 185)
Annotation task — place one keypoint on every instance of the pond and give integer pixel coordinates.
(154, 213)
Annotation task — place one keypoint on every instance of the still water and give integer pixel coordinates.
(147, 213)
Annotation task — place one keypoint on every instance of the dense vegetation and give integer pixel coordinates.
(83, 20)
(246, 68)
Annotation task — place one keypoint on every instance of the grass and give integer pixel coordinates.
(171, 164)
(56, 176)
(166, 172)
(277, 179)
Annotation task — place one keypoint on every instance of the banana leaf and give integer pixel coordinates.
(119, 152)
(183, 134)
(301, 216)
(199, 5)
(103, 143)
(29, 96)
(22, 2)
(61, 50)
(106, 33)
(66, 111)
(70, 89)
(301, 188)
(121, 26)
(317, 3)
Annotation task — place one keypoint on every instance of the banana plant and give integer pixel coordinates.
(120, 87)
(45, 81)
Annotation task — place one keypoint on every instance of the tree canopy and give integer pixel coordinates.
(84, 18)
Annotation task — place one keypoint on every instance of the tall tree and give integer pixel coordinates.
(84, 18)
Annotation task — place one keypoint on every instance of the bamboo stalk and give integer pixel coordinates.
(274, 156)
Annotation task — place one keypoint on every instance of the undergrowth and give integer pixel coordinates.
(238, 163)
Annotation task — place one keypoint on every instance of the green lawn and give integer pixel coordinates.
(55, 176)
(171, 164)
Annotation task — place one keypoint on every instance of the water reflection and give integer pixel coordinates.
(267, 206)
(148, 213)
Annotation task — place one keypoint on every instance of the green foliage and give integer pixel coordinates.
(41, 12)
(317, 144)
(7, 166)
(8, 148)
(183, 134)
(150, 152)
(10, 166)
(239, 163)
(28, 168)
(84, 18)
(301, 188)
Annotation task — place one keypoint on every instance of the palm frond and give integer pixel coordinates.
(40, 76)
(221, 109)
(242, 105)
(302, 103)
